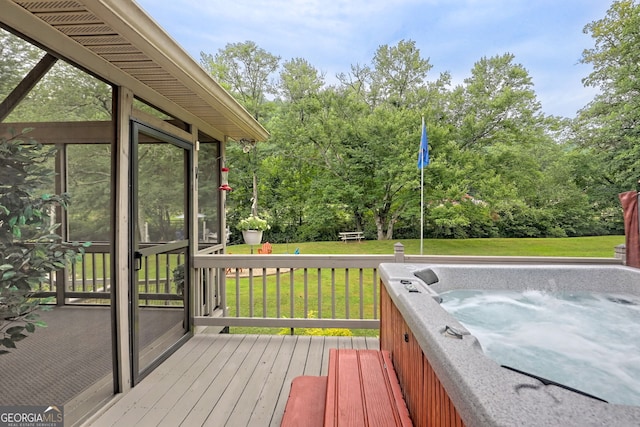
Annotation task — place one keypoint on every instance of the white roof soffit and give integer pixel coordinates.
(118, 41)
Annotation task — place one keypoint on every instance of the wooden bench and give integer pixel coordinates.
(360, 389)
(351, 235)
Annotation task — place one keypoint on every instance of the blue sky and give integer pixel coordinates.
(544, 35)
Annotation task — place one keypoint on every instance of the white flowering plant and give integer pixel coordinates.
(253, 223)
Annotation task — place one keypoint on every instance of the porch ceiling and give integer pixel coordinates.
(118, 41)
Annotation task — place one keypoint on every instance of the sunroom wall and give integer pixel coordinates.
(70, 362)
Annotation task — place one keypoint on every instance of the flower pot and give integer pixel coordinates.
(252, 237)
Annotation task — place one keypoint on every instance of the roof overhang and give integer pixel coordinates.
(119, 42)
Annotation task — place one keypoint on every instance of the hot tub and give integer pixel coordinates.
(446, 377)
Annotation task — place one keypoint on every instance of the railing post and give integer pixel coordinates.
(61, 285)
(221, 291)
(398, 252)
(620, 252)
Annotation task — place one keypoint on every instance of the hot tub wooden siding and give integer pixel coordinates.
(427, 400)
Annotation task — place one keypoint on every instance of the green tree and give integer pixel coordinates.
(18, 58)
(395, 76)
(344, 156)
(398, 72)
(246, 70)
(161, 188)
(497, 104)
(299, 85)
(608, 126)
(289, 173)
(66, 93)
(309, 144)
(516, 160)
(89, 180)
(365, 137)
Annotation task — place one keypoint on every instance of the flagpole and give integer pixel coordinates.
(421, 159)
(421, 203)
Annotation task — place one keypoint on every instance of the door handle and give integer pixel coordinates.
(137, 261)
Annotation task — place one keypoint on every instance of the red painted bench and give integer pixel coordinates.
(361, 389)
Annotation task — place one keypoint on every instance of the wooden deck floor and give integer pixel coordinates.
(226, 380)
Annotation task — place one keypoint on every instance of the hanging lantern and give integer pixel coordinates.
(225, 180)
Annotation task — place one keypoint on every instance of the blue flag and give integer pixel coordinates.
(423, 154)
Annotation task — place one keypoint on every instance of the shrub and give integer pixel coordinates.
(30, 249)
(334, 332)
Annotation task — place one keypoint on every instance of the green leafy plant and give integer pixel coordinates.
(30, 249)
(253, 223)
(178, 278)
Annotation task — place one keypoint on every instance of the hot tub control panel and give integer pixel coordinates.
(409, 285)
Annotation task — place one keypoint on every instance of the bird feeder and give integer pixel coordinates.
(225, 180)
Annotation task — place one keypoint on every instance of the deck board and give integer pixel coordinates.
(330, 342)
(314, 363)
(219, 387)
(174, 406)
(272, 391)
(200, 384)
(141, 404)
(225, 380)
(231, 399)
(297, 363)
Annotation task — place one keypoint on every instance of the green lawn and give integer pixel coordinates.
(599, 246)
(323, 302)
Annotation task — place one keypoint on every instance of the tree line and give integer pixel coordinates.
(343, 156)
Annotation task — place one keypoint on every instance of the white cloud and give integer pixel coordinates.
(545, 36)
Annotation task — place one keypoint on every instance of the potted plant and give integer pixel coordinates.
(178, 279)
(252, 228)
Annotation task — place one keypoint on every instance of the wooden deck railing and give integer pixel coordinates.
(88, 280)
(309, 291)
(289, 291)
(282, 291)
